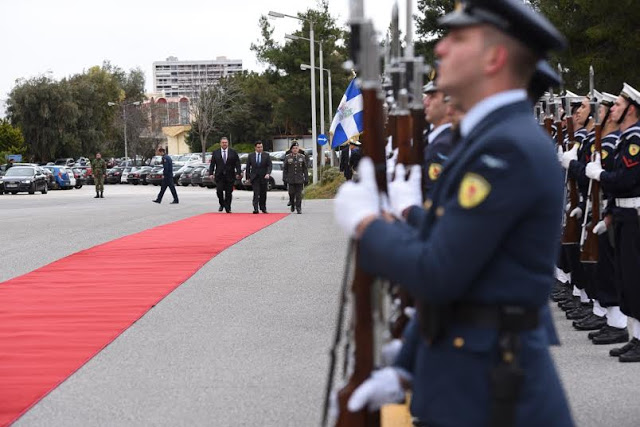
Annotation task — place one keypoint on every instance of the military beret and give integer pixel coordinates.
(630, 94)
(294, 144)
(512, 17)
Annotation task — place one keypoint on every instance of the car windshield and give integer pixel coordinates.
(18, 171)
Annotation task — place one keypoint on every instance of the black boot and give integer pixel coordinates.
(590, 323)
(97, 195)
(633, 354)
(611, 336)
(615, 352)
(101, 194)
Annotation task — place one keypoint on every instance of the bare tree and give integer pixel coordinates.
(214, 108)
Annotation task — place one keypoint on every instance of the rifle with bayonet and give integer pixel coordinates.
(589, 239)
(365, 55)
(571, 235)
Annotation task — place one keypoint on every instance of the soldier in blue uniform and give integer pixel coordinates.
(440, 141)
(479, 256)
(622, 183)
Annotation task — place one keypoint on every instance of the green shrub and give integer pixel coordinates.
(328, 187)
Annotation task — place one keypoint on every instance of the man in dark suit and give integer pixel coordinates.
(225, 167)
(350, 158)
(167, 178)
(258, 173)
(497, 206)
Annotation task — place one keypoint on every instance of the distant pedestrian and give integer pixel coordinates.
(167, 178)
(99, 170)
(226, 169)
(9, 165)
(350, 158)
(258, 173)
(296, 176)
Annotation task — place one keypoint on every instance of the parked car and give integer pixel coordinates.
(196, 175)
(78, 174)
(72, 178)
(64, 162)
(24, 179)
(275, 180)
(156, 175)
(62, 180)
(139, 176)
(185, 177)
(113, 175)
(208, 180)
(87, 174)
(124, 178)
(177, 173)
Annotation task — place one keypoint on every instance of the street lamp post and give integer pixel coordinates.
(308, 67)
(313, 85)
(124, 119)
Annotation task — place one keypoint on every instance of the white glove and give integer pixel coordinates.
(567, 207)
(410, 312)
(357, 200)
(577, 212)
(560, 154)
(568, 156)
(381, 388)
(601, 227)
(405, 193)
(390, 351)
(594, 168)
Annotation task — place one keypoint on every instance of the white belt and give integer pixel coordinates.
(631, 202)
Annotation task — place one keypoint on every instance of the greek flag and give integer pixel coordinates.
(348, 119)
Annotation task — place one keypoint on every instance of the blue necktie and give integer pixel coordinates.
(258, 159)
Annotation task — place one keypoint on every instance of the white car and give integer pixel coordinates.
(72, 177)
(275, 180)
(124, 179)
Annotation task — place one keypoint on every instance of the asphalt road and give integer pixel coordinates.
(244, 341)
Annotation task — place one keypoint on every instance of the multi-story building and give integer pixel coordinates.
(175, 78)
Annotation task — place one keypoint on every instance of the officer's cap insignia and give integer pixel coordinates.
(473, 190)
(434, 171)
(634, 149)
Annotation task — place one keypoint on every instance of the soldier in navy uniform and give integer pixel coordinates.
(167, 179)
(622, 183)
(479, 256)
(440, 139)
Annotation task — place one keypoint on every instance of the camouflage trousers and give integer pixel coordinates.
(99, 181)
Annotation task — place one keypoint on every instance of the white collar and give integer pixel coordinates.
(437, 131)
(487, 106)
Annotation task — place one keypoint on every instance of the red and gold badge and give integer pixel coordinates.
(473, 190)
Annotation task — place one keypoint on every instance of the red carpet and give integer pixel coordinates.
(55, 319)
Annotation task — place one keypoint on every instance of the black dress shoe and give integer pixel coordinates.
(615, 352)
(562, 295)
(292, 208)
(611, 336)
(590, 323)
(579, 313)
(255, 211)
(221, 208)
(264, 211)
(299, 211)
(228, 210)
(175, 202)
(156, 201)
(598, 332)
(569, 305)
(632, 355)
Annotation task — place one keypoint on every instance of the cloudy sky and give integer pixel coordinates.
(65, 37)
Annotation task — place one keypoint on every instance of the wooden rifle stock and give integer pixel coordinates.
(590, 252)
(418, 124)
(548, 125)
(373, 146)
(403, 137)
(571, 233)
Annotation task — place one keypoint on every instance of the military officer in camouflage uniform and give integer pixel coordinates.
(295, 176)
(99, 170)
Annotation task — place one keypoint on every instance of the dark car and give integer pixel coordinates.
(24, 179)
(65, 162)
(87, 174)
(196, 175)
(156, 175)
(114, 175)
(60, 177)
(208, 180)
(139, 176)
(185, 177)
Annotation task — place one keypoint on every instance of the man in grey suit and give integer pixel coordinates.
(258, 173)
